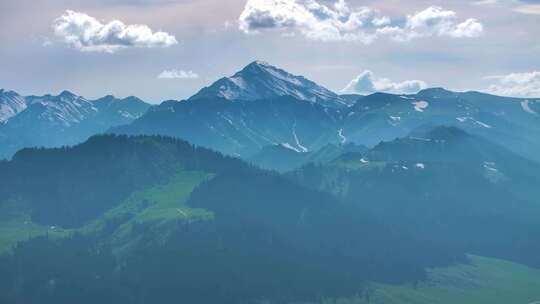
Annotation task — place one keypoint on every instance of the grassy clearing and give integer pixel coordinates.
(161, 202)
(154, 206)
(22, 229)
(483, 281)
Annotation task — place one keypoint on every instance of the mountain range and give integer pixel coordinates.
(445, 179)
(122, 219)
(64, 119)
(265, 187)
(138, 219)
(231, 118)
(262, 106)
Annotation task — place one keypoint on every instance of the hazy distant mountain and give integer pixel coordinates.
(351, 98)
(512, 122)
(242, 128)
(443, 185)
(64, 119)
(284, 157)
(260, 80)
(241, 115)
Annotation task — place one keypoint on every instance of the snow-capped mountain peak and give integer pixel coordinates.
(65, 109)
(11, 104)
(260, 80)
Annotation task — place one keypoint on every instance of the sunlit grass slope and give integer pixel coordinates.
(483, 281)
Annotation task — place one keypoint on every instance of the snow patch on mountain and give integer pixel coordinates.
(420, 139)
(290, 147)
(474, 121)
(525, 106)
(406, 97)
(490, 166)
(484, 125)
(341, 136)
(420, 106)
(298, 144)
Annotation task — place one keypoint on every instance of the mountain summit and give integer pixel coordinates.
(11, 104)
(260, 80)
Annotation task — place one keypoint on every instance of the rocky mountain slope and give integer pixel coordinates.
(64, 119)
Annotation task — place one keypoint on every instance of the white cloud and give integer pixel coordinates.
(368, 83)
(435, 21)
(314, 20)
(178, 74)
(339, 22)
(516, 84)
(86, 33)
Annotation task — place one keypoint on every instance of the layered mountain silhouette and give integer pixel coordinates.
(176, 204)
(57, 120)
(265, 106)
(262, 106)
(284, 157)
(241, 128)
(151, 218)
(512, 122)
(443, 185)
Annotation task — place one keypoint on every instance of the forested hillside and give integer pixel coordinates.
(136, 219)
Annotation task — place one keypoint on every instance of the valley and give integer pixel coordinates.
(267, 188)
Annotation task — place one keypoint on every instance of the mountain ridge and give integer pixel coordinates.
(57, 120)
(260, 80)
(263, 105)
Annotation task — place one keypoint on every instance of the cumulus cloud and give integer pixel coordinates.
(368, 83)
(178, 74)
(437, 21)
(339, 22)
(516, 84)
(86, 33)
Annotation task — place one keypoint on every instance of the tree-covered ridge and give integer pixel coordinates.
(72, 185)
(181, 221)
(446, 186)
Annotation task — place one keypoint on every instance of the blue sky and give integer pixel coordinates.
(167, 49)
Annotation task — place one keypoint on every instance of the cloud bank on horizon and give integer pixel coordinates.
(367, 83)
(340, 22)
(516, 84)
